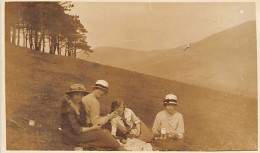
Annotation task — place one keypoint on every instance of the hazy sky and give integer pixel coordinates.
(153, 26)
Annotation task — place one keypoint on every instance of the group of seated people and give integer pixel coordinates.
(81, 123)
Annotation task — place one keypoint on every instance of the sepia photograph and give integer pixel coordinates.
(129, 76)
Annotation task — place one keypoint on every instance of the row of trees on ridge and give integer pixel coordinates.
(37, 24)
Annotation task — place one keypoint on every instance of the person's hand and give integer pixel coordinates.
(130, 136)
(138, 133)
(112, 115)
(155, 135)
(124, 141)
(96, 126)
(175, 136)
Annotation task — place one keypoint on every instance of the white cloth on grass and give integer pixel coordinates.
(135, 144)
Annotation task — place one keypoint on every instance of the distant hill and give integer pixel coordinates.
(35, 81)
(119, 57)
(226, 61)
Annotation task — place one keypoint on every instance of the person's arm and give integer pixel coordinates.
(113, 127)
(94, 110)
(70, 113)
(114, 130)
(138, 127)
(180, 128)
(94, 127)
(75, 125)
(104, 119)
(73, 121)
(156, 126)
(137, 122)
(134, 118)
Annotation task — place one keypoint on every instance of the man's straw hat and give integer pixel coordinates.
(101, 84)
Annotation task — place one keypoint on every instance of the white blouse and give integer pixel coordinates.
(173, 124)
(131, 120)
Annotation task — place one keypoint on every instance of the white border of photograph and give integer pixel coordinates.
(3, 110)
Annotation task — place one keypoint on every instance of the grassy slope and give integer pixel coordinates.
(35, 81)
(225, 61)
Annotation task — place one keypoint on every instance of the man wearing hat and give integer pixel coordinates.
(75, 129)
(92, 105)
(169, 125)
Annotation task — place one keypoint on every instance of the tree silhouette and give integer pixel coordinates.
(42, 22)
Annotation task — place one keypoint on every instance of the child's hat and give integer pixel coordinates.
(101, 84)
(170, 99)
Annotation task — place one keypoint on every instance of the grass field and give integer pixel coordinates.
(35, 82)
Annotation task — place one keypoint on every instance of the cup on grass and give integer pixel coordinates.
(31, 123)
(163, 133)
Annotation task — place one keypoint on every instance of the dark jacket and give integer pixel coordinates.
(73, 117)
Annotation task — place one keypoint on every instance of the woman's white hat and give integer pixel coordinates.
(170, 99)
(101, 84)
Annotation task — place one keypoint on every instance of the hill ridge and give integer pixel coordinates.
(222, 53)
(181, 46)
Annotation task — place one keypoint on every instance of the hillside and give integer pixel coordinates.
(113, 56)
(225, 61)
(35, 82)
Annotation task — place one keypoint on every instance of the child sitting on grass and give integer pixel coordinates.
(127, 124)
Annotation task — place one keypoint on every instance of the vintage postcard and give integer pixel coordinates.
(129, 76)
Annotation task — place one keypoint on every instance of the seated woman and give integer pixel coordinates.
(75, 129)
(169, 125)
(127, 124)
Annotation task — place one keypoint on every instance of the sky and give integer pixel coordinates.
(149, 26)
